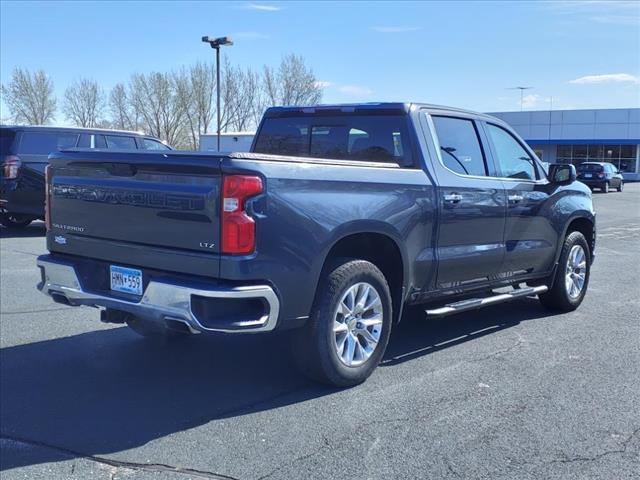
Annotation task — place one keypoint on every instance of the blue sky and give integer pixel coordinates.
(466, 54)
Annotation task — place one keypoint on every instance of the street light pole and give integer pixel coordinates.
(218, 94)
(522, 89)
(217, 43)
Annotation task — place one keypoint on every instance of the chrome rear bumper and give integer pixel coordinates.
(160, 301)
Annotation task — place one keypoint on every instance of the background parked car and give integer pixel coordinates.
(600, 175)
(23, 157)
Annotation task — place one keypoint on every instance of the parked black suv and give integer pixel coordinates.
(23, 158)
(600, 175)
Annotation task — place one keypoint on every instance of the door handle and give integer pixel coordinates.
(515, 198)
(452, 197)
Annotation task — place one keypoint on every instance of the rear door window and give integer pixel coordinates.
(120, 142)
(460, 148)
(43, 143)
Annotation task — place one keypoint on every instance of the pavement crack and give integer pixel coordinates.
(316, 451)
(43, 310)
(498, 353)
(621, 450)
(148, 467)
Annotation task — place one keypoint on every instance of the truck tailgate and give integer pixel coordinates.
(164, 200)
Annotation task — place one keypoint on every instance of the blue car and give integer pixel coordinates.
(600, 175)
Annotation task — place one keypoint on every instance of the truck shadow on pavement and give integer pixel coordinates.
(36, 229)
(102, 392)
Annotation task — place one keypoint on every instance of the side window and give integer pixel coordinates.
(85, 141)
(513, 159)
(43, 143)
(460, 148)
(99, 141)
(120, 143)
(149, 144)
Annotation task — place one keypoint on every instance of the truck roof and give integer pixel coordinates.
(79, 129)
(365, 108)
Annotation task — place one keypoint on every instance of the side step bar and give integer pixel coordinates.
(475, 303)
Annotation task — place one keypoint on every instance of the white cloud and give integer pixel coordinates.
(622, 12)
(355, 90)
(263, 7)
(531, 100)
(617, 19)
(395, 29)
(606, 78)
(251, 35)
(323, 84)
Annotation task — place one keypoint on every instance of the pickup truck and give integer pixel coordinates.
(338, 218)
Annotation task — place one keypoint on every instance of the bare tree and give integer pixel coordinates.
(195, 88)
(247, 100)
(124, 115)
(30, 97)
(84, 103)
(293, 83)
(156, 98)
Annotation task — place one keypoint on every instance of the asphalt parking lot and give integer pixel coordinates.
(509, 392)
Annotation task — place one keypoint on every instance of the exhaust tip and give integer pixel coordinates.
(60, 298)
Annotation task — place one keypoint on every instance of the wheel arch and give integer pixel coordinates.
(585, 225)
(380, 247)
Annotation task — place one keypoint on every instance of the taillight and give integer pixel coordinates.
(47, 199)
(601, 175)
(11, 167)
(238, 229)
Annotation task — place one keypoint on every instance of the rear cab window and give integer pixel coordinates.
(371, 138)
(43, 143)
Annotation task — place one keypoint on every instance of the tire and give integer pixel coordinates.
(15, 221)
(153, 330)
(605, 189)
(562, 296)
(332, 347)
(621, 186)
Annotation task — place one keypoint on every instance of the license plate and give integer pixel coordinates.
(587, 175)
(126, 280)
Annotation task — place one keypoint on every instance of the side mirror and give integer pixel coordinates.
(562, 173)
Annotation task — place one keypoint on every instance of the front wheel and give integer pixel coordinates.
(348, 331)
(15, 221)
(621, 186)
(571, 277)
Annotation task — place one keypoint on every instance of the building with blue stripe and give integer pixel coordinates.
(576, 136)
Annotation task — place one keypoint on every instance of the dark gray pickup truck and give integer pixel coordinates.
(338, 218)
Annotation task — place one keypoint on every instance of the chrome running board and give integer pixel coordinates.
(474, 303)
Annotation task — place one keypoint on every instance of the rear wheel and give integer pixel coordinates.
(621, 186)
(153, 330)
(572, 276)
(605, 188)
(15, 221)
(348, 331)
